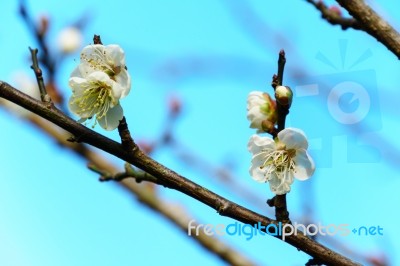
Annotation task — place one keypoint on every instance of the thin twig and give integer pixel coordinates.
(172, 179)
(281, 66)
(39, 76)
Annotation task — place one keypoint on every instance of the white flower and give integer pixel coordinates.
(109, 59)
(277, 162)
(260, 107)
(97, 95)
(98, 83)
(69, 40)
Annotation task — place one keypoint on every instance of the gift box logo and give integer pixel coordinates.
(344, 103)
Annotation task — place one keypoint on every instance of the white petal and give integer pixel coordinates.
(257, 143)
(116, 54)
(91, 50)
(255, 117)
(258, 174)
(76, 84)
(100, 76)
(255, 98)
(293, 138)
(76, 73)
(84, 70)
(111, 120)
(124, 80)
(305, 166)
(280, 185)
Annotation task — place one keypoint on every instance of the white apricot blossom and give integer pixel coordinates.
(278, 162)
(109, 59)
(98, 83)
(260, 107)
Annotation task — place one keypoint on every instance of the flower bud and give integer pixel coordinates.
(284, 95)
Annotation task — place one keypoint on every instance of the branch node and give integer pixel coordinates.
(222, 206)
(126, 138)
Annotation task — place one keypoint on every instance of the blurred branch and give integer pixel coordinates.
(39, 32)
(136, 157)
(145, 195)
(333, 16)
(365, 19)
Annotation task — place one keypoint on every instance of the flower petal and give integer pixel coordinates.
(115, 54)
(257, 144)
(305, 166)
(255, 117)
(100, 76)
(293, 138)
(255, 98)
(124, 80)
(111, 120)
(280, 184)
(76, 84)
(258, 174)
(76, 72)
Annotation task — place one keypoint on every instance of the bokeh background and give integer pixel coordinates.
(205, 56)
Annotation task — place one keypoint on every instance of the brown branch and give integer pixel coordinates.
(334, 17)
(136, 157)
(374, 24)
(279, 201)
(366, 19)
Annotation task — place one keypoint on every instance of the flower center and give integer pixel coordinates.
(96, 99)
(279, 161)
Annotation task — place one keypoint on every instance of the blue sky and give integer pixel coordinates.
(211, 54)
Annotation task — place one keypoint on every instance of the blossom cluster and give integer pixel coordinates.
(276, 161)
(98, 83)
